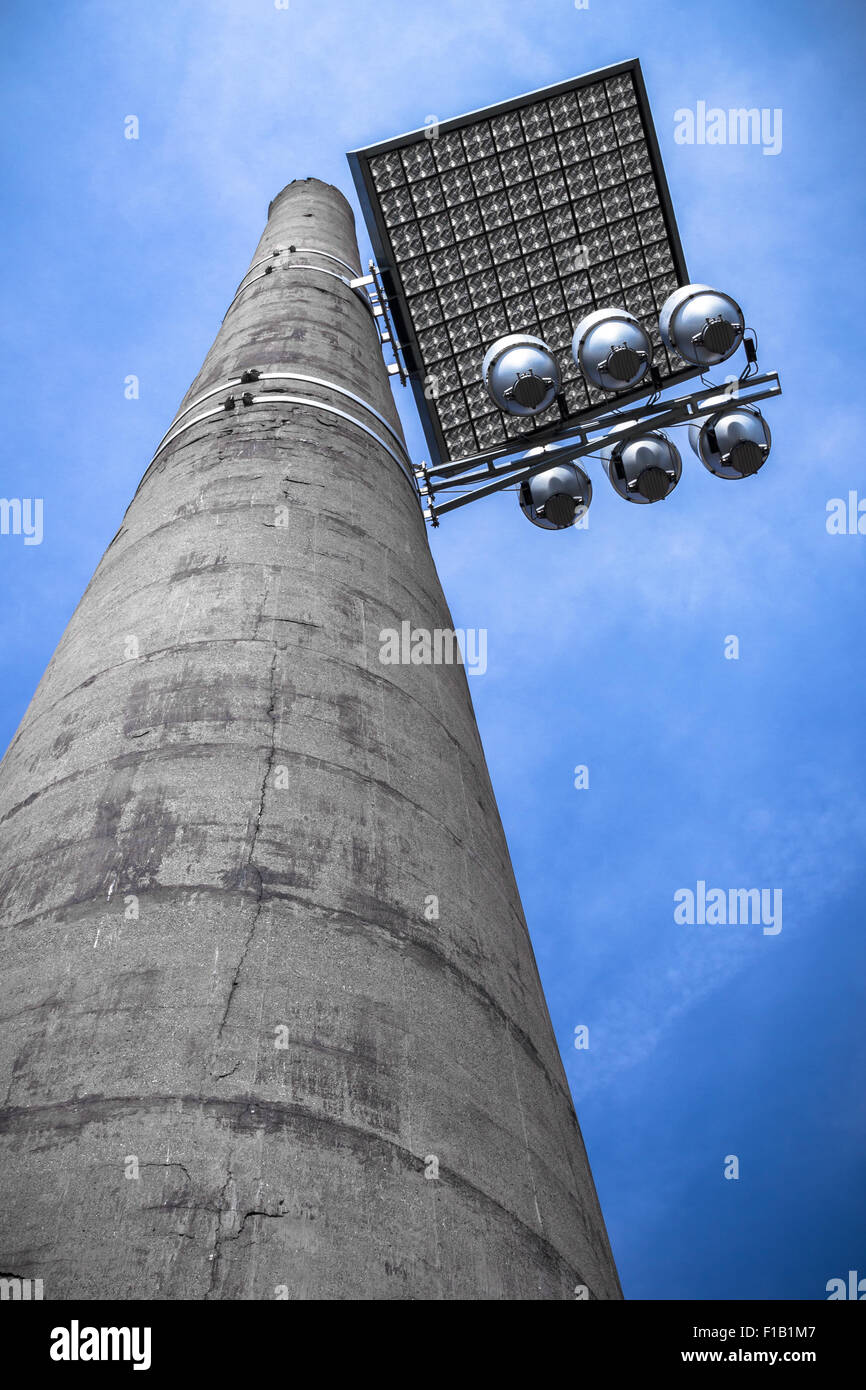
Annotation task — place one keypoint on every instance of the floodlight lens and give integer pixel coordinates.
(747, 457)
(529, 391)
(653, 484)
(624, 364)
(560, 509)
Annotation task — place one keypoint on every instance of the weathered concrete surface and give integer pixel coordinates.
(277, 806)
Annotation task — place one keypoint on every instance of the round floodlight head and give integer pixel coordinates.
(702, 325)
(734, 441)
(554, 500)
(644, 469)
(612, 349)
(521, 375)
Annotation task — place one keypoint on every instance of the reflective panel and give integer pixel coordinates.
(520, 218)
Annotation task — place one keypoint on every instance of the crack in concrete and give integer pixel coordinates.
(146, 658)
(222, 1235)
(526, 1149)
(181, 1166)
(296, 622)
(151, 1164)
(275, 1215)
(216, 1253)
(250, 866)
(270, 1114)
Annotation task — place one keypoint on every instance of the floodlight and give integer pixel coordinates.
(701, 324)
(521, 374)
(612, 349)
(530, 283)
(734, 442)
(553, 499)
(520, 218)
(642, 469)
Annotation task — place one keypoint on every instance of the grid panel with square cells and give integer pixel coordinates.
(524, 222)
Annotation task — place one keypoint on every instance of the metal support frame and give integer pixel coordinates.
(369, 288)
(383, 319)
(575, 442)
(560, 442)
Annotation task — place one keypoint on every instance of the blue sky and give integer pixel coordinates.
(605, 647)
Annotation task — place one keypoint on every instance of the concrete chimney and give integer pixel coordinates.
(273, 1027)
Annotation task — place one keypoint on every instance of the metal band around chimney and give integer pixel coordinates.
(278, 398)
(303, 265)
(302, 251)
(281, 376)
